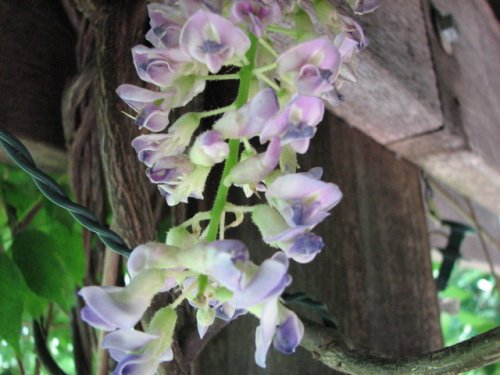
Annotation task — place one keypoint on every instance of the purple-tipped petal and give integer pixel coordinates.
(305, 247)
(170, 169)
(269, 282)
(228, 312)
(354, 31)
(122, 342)
(166, 23)
(301, 199)
(265, 331)
(113, 307)
(152, 107)
(95, 320)
(160, 66)
(296, 123)
(257, 14)
(289, 333)
(151, 148)
(136, 365)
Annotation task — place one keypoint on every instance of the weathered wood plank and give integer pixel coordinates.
(396, 95)
(464, 154)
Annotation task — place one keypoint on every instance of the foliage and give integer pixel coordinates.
(41, 263)
(479, 309)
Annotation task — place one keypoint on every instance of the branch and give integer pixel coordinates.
(328, 347)
(43, 352)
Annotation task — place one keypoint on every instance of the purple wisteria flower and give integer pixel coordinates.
(289, 332)
(179, 179)
(213, 40)
(227, 263)
(151, 148)
(166, 23)
(109, 308)
(127, 348)
(312, 66)
(148, 147)
(299, 202)
(161, 66)
(297, 242)
(296, 123)
(280, 326)
(256, 13)
(249, 120)
(302, 199)
(354, 31)
(209, 149)
(263, 283)
(255, 169)
(170, 170)
(349, 42)
(140, 353)
(152, 107)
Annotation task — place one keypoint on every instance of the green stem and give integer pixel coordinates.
(245, 74)
(217, 111)
(282, 30)
(234, 144)
(268, 47)
(267, 81)
(265, 68)
(200, 216)
(220, 77)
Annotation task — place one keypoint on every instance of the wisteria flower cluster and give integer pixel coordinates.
(280, 102)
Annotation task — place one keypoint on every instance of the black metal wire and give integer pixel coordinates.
(48, 187)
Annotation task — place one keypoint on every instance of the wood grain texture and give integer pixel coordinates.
(464, 154)
(375, 271)
(396, 95)
(118, 28)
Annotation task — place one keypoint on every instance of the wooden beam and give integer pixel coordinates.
(396, 95)
(464, 153)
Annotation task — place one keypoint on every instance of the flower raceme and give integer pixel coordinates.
(280, 104)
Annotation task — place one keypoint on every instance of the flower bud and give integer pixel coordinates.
(209, 149)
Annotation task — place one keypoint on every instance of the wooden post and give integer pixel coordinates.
(375, 271)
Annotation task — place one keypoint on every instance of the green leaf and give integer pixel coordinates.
(5, 231)
(34, 304)
(453, 291)
(36, 254)
(12, 291)
(69, 247)
(58, 214)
